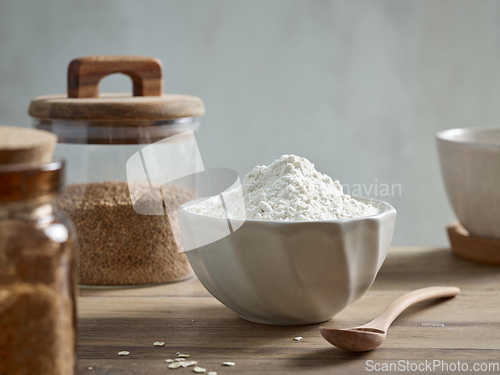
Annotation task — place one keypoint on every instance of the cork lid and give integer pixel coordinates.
(147, 102)
(21, 145)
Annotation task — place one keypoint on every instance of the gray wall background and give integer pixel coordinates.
(358, 87)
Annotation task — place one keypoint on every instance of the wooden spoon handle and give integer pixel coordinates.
(85, 73)
(384, 320)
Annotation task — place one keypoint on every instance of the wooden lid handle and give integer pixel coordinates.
(85, 73)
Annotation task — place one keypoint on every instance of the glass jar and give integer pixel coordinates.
(108, 141)
(37, 273)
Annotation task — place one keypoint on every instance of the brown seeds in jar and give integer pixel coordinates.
(117, 245)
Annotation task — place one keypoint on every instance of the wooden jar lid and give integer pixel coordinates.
(476, 249)
(83, 101)
(116, 107)
(21, 145)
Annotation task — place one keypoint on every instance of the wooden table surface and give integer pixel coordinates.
(189, 320)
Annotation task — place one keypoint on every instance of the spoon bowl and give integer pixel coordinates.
(354, 339)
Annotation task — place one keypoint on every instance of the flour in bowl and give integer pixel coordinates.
(289, 189)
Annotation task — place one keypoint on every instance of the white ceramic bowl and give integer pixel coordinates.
(290, 273)
(470, 164)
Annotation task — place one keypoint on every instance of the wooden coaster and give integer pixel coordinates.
(476, 249)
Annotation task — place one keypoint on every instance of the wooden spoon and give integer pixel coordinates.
(372, 334)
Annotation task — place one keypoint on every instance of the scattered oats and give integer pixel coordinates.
(299, 338)
(228, 363)
(169, 360)
(179, 359)
(124, 353)
(175, 365)
(199, 369)
(188, 363)
(212, 373)
(90, 368)
(178, 353)
(183, 355)
(158, 343)
(193, 321)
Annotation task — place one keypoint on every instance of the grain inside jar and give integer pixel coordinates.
(118, 246)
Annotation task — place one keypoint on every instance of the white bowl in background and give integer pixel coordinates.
(470, 165)
(290, 273)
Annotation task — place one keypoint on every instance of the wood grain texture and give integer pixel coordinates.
(85, 73)
(189, 320)
(116, 107)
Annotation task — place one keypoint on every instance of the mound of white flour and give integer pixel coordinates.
(289, 189)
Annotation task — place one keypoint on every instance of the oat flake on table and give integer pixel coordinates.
(175, 365)
(290, 189)
(188, 363)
